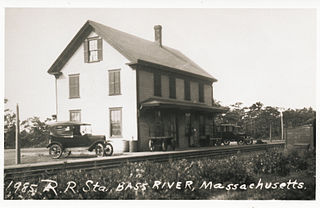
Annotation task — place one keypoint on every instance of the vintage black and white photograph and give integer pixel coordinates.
(160, 103)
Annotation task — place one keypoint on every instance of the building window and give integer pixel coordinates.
(74, 91)
(93, 50)
(172, 87)
(115, 122)
(157, 84)
(75, 115)
(201, 93)
(114, 82)
(186, 89)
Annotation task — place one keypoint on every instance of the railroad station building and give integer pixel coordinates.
(130, 88)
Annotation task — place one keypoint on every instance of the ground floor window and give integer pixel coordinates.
(75, 115)
(115, 122)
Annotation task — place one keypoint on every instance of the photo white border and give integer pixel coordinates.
(157, 4)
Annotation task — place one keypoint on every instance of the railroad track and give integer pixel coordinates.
(48, 169)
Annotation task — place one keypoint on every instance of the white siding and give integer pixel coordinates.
(94, 100)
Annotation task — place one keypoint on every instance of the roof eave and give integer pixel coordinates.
(158, 102)
(146, 63)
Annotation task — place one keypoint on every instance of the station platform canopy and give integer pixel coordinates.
(180, 105)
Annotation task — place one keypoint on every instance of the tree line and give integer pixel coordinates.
(33, 131)
(258, 120)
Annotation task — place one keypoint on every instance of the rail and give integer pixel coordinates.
(30, 170)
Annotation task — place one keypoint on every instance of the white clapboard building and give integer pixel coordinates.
(129, 88)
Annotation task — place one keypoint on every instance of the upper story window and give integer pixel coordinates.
(186, 89)
(74, 91)
(172, 87)
(75, 115)
(93, 50)
(114, 82)
(201, 93)
(157, 83)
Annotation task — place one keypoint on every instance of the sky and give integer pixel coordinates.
(266, 55)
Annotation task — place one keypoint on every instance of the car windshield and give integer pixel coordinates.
(85, 129)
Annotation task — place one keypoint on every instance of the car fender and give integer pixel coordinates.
(49, 145)
(91, 147)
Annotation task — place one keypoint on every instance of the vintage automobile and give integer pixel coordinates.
(69, 134)
(230, 132)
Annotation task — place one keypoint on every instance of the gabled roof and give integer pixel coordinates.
(135, 49)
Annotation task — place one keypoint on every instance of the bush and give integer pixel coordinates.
(34, 132)
(272, 162)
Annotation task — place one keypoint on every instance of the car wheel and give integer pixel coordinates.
(226, 142)
(151, 145)
(55, 151)
(99, 149)
(164, 146)
(108, 150)
(249, 141)
(240, 142)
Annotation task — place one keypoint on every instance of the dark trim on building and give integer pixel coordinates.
(176, 71)
(157, 88)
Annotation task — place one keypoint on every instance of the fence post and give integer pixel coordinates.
(18, 158)
(281, 120)
(270, 132)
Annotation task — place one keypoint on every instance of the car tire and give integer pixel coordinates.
(164, 146)
(55, 151)
(240, 142)
(249, 141)
(151, 145)
(99, 150)
(226, 142)
(108, 150)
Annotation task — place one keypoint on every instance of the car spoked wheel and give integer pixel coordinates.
(151, 145)
(226, 142)
(108, 150)
(164, 146)
(240, 142)
(55, 151)
(99, 149)
(248, 140)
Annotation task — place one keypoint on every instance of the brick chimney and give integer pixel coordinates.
(158, 35)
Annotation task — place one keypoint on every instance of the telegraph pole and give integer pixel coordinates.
(281, 120)
(18, 156)
(270, 132)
